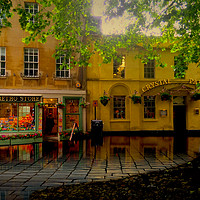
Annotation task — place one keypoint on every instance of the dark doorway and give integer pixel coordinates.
(179, 127)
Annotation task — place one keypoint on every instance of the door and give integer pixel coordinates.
(179, 128)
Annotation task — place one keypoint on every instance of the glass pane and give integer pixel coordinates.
(8, 116)
(26, 116)
(72, 106)
(70, 120)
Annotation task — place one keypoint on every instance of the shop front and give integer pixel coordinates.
(18, 113)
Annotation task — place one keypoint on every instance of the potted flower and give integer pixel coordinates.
(60, 105)
(196, 96)
(165, 96)
(104, 100)
(40, 104)
(136, 99)
(84, 104)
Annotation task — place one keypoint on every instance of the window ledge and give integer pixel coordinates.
(4, 76)
(30, 77)
(62, 79)
(119, 120)
(150, 120)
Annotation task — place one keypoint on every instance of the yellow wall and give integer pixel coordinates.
(100, 79)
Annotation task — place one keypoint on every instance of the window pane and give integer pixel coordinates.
(149, 107)
(119, 107)
(149, 69)
(119, 67)
(26, 116)
(72, 106)
(70, 120)
(8, 116)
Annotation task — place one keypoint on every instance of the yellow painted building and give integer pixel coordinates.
(30, 75)
(120, 80)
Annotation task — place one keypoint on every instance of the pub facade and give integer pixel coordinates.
(142, 98)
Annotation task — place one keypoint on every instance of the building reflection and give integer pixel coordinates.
(193, 144)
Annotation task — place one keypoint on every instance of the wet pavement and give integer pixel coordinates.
(26, 168)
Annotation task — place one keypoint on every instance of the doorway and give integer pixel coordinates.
(50, 109)
(180, 143)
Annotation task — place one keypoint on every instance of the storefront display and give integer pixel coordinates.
(16, 115)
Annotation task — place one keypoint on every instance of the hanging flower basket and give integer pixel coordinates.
(40, 104)
(60, 105)
(84, 104)
(196, 96)
(165, 96)
(136, 99)
(104, 100)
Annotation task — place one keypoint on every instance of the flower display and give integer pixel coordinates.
(21, 136)
(104, 100)
(196, 96)
(60, 105)
(40, 104)
(165, 96)
(84, 104)
(136, 99)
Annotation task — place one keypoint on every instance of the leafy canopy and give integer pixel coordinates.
(71, 22)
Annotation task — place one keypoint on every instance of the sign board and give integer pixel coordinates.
(19, 98)
(95, 103)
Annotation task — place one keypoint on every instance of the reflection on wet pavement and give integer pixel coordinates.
(26, 168)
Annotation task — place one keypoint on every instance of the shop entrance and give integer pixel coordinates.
(179, 111)
(50, 111)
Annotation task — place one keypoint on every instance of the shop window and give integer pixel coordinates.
(119, 67)
(32, 8)
(119, 107)
(149, 69)
(62, 67)
(31, 62)
(17, 116)
(149, 107)
(179, 72)
(72, 113)
(2, 61)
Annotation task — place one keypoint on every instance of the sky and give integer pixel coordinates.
(116, 25)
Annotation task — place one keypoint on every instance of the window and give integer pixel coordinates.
(119, 67)
(31, 66)
(149, 107)
(149, 69)
(17, 116)
(119, 107)
(179, 72)
(72, 113)
(31, 8)
(2, 61)
(62, 67)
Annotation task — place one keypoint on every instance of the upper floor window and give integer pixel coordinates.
(31, 62)
(119, 67)
(119, 107)
(149, 69)
(149, 107)
(31, 8)
(63, 67)
(2, 61)
(179, 71)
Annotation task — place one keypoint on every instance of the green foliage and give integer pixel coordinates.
(71, 23)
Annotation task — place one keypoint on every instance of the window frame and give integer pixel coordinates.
(28, 62)
(1, 61)
(59, 64)
(28, 9)
(147, 69)
(151, 104)
(119, 108)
